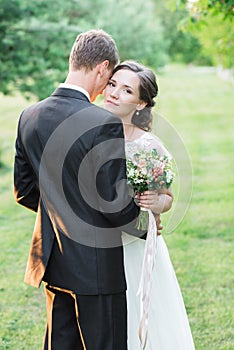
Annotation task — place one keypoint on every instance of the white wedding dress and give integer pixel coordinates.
(168, 326)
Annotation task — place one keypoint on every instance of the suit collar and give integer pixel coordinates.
(74, 87)
(65, 92)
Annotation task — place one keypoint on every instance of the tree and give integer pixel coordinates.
(210, 21)
(216, 36)
(213, 7)
(183, 46)
(36, 38)
(35, 45)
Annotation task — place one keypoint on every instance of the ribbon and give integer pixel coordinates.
(145, 283)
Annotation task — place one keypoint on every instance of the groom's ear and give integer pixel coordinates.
(103, 67)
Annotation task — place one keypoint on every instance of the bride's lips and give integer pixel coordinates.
(112, 103)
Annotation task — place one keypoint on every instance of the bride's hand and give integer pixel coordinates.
(157, 201)
(150, 200)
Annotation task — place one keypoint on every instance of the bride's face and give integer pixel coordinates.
(121, 95)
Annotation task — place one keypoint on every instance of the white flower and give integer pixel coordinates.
(131, 172)
(169, 176)
(144, 171)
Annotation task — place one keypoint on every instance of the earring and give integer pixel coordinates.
(137, 113)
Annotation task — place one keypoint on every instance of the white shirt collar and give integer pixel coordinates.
(74, 87)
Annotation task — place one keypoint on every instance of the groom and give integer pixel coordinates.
(69, 168)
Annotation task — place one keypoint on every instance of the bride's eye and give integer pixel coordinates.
(110, 83)
(128, 91)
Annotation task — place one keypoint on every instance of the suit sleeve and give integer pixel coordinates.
(25, 182)
(119, 207)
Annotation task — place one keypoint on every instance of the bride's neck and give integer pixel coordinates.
(131, 131)
(129, 126)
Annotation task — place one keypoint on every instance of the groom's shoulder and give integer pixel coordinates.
(37, 105)
(105, 115)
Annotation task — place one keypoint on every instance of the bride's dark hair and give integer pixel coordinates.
(148, 89)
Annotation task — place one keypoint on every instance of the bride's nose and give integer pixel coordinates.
(114, 93)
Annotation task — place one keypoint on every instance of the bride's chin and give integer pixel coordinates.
(108, 107)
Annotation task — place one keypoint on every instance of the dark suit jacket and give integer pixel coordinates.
(69, 164)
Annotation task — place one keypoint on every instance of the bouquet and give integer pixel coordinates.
(147, 171)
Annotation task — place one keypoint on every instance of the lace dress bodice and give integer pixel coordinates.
(147, 142)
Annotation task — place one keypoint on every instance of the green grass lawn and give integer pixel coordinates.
(200, 107)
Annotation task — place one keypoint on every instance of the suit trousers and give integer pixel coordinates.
(85, 322)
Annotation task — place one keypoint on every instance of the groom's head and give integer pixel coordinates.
(93, 57)
(91, 48)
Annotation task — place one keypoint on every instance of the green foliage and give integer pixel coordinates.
(213, 7)
(217, 37)
(37, 36)
(211, 23)
(183, 45)
(139, 34)
(35, 44)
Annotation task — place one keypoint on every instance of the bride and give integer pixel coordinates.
(129, 94)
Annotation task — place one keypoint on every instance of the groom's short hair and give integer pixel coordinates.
(91, 48)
